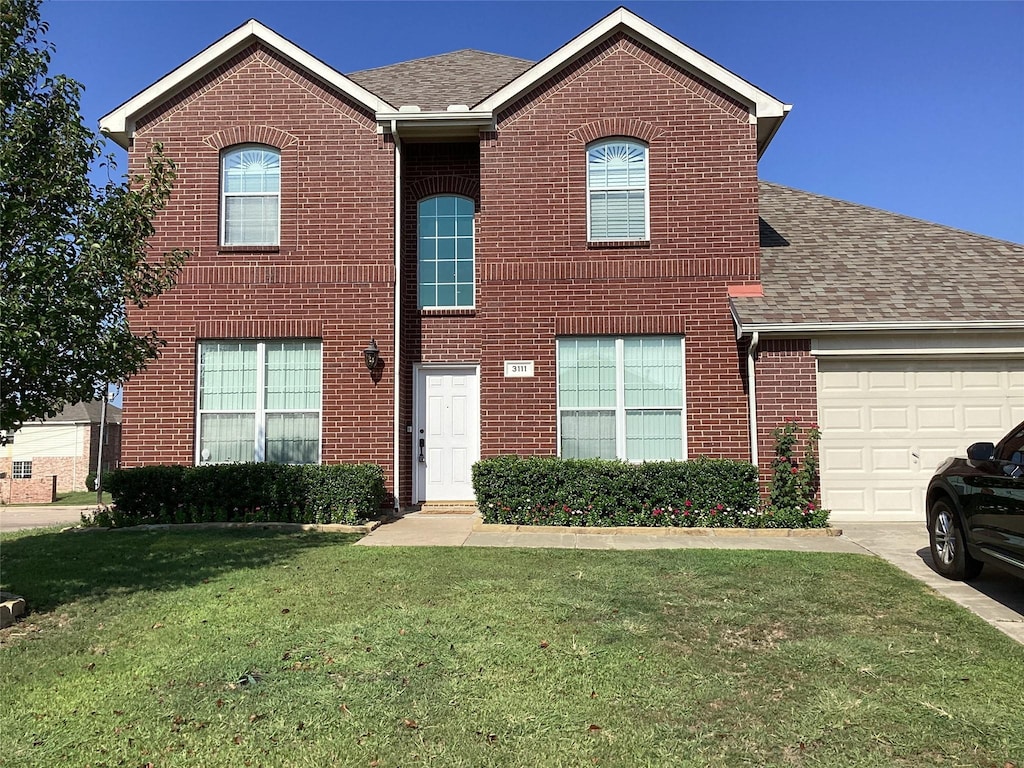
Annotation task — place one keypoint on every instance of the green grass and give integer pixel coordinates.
(257, 648)
(84, 498)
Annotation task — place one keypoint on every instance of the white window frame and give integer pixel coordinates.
(260, 411)
(645, 188)
(224, 194)
(419, 303)
(620, 407)
(21, 470)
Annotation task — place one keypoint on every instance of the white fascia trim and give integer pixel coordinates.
(475, 118)
(804, 329)
(761, 104)
(120, 124)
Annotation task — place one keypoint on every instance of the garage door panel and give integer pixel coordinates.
(895, 501)
(890, 459)
(843, 459)
(935, 381)
(882, 440)
(990, 418)
(889, 418)
(982, 380)
(931, 418)
(893, 381)
(839, 419)
(839, 380)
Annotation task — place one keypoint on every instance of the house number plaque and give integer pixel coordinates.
(518, 368)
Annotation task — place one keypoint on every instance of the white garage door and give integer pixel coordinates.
(888, 423)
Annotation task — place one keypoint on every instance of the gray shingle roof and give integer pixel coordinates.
(829, 261)
(436, 82)
(86, 413)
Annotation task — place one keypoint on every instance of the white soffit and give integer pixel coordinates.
(120, 124)
(761, 104)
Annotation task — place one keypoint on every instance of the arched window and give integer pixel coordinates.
(617, 190)
(251, 196)
(445, 251)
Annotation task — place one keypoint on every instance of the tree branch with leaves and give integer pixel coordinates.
(73, 255)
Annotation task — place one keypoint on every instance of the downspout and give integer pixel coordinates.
(396, 469)
(752, 397)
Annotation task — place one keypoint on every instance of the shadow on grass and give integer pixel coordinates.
(50, 569)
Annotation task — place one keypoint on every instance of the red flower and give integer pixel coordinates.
(793, 470)
(688, 503)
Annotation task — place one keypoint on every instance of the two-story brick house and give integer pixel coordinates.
(573, 256)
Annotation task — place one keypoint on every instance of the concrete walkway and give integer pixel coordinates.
(997, 597)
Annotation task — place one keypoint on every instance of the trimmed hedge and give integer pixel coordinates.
(542, 490)
(253, 492)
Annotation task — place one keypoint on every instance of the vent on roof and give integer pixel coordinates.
(408, 108)
(458, 107)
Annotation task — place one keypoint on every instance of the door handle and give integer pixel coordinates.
(423, 445)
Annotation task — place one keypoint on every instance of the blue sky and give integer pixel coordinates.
(914, 107)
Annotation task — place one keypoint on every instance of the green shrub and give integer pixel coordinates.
(540, 490)
(252, 492)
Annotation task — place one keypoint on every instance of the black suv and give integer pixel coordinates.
(976, 509)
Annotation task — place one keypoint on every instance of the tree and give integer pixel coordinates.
(73, 255)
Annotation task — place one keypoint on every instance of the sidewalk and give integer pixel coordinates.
(996, 596)
(20, 518)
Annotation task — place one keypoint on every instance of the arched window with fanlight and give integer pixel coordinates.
(250, 196)
(617, 190)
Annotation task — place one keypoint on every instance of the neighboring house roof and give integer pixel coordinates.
(826, 262)
(436, 82)
(85, 413)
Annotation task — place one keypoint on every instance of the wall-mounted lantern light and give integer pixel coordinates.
(372, 355)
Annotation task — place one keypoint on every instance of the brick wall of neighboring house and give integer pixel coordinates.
(71, 470)
(37, 490)
(786, 379)
(539, 278)
(331, 278)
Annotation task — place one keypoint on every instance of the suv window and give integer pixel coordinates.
(1012, 448)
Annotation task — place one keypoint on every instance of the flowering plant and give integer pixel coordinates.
(794, 483)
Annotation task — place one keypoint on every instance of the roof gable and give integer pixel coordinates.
(120, 123)
(766, 111)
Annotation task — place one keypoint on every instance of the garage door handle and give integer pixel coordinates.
(916, 457)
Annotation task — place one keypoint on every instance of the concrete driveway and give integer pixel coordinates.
(996, 596)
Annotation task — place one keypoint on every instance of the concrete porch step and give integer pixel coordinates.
(446, 508)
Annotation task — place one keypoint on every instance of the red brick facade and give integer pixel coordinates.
(537, 277)
(332, 277)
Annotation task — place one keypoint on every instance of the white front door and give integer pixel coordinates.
(446, 432)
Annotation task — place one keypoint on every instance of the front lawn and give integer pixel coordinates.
(233, 648)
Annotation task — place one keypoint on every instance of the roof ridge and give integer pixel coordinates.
(896, 214)
(439, 56)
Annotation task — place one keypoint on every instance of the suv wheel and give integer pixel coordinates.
(949, 553)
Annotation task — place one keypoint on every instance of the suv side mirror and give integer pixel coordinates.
(981, 451)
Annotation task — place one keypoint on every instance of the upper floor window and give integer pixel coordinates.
(617, 190)
(445, 252)
(251, 196)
